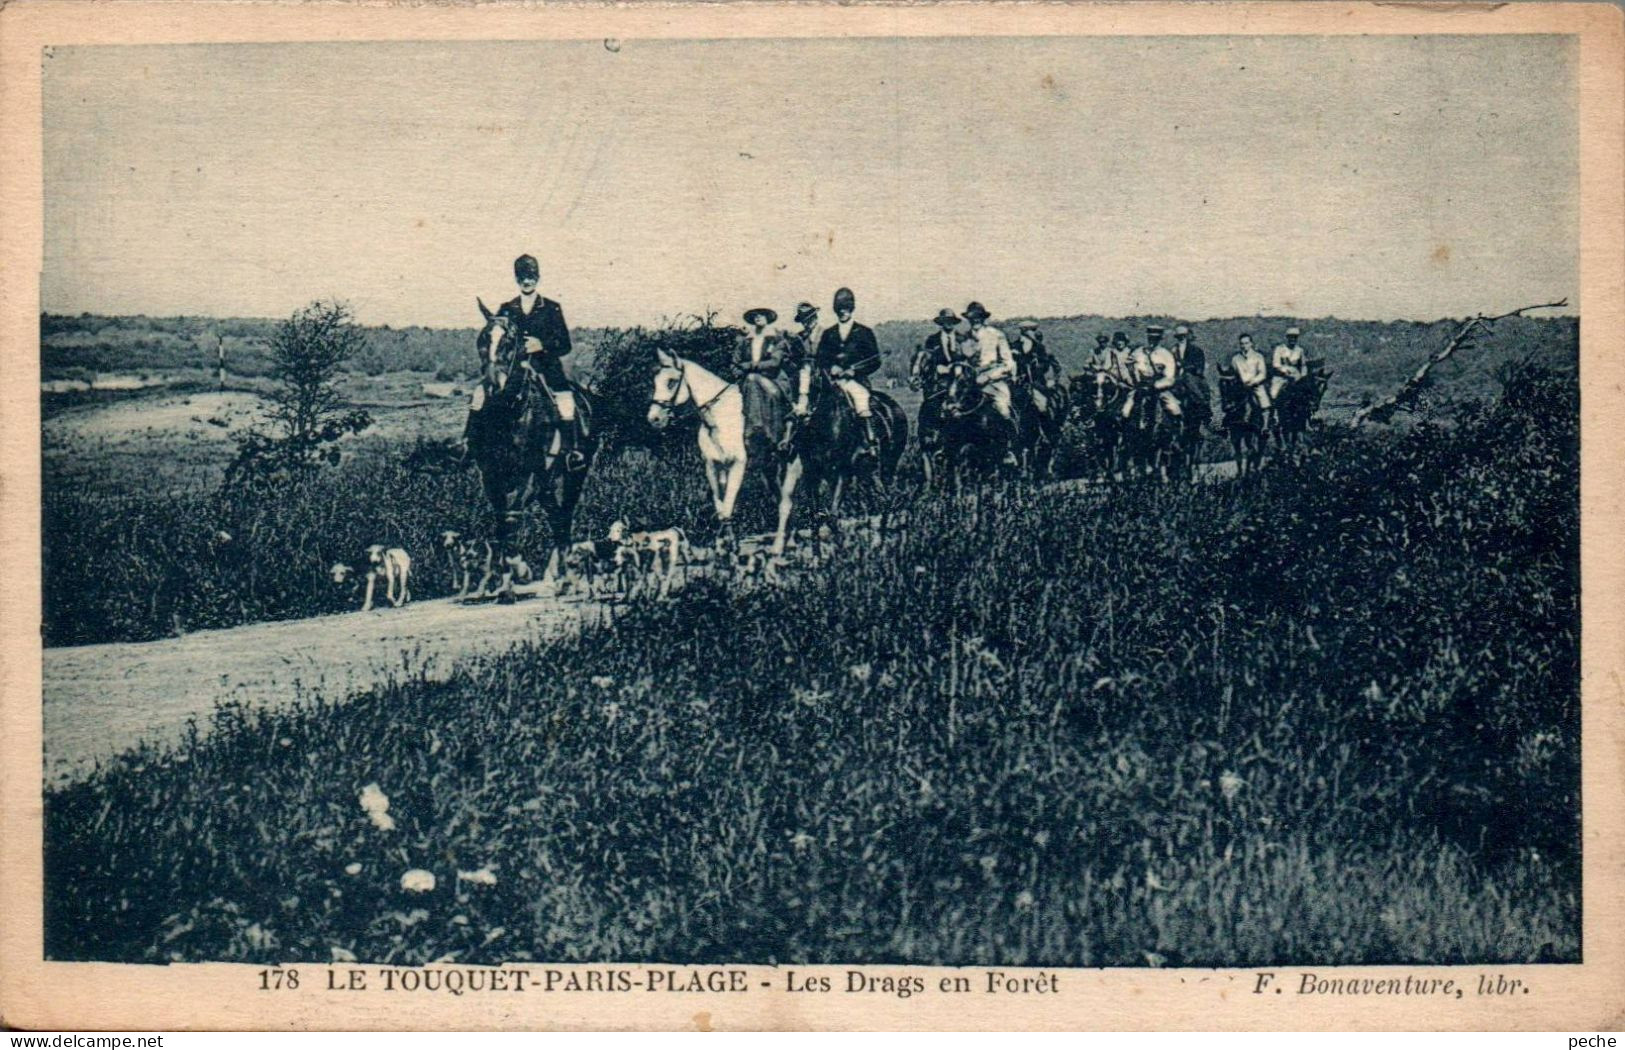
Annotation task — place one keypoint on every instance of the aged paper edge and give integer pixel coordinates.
(36, 994)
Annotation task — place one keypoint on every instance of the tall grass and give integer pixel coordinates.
(1329, 716)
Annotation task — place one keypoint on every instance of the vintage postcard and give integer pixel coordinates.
(801, 516)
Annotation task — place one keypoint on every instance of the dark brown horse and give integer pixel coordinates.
(1297, 405)
(514, 440)
(828, 447)
(974, 441)
(1243, 423)
(1098, 399)
(1156, 444)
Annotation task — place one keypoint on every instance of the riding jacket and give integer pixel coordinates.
(545, 323)
(995, 362)
(760, 353)
(937, 358)
(1034, 362)
(858, 353)
(1192, 359)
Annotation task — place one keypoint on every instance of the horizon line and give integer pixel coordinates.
(667, 322)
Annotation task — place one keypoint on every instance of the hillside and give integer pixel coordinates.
(1368, 357)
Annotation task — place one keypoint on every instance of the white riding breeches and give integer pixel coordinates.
(856, 392)
(1277, 384)
(1261, 394)
(565, 402)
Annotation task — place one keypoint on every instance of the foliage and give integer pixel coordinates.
(1330, 714)
(308, 351)
(307, 408)
(623, 365)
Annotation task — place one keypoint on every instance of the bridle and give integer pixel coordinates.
(682, 390)
(954, 402)
(495, 343)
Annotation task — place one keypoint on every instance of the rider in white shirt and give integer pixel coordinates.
(1286, 364)
(995, 364)
(1154, 365)
(1252, 371)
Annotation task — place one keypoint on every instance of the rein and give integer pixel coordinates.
(682, 382)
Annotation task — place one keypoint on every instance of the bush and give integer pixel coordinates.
(1332, 714)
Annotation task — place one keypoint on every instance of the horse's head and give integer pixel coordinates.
(670, 388)
(962, 394)
(496, 343)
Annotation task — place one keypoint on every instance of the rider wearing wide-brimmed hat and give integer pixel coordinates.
(760, 350)
(934, 360)
(758, 360)
(1192, 387)
(848, 353)
(995, 364)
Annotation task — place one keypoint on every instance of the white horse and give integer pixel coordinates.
(724, 444)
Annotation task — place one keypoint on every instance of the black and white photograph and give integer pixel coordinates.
(617, 507)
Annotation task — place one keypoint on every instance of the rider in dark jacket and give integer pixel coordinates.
(848, 353)
(545, 339)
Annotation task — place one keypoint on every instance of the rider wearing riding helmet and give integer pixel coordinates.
(539, 325)
(848, 353)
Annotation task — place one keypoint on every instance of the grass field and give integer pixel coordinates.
(1329, 716)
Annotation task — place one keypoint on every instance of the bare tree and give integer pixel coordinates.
(1463, 339)
(307, 352)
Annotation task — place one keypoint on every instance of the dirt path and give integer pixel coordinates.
(99, 700)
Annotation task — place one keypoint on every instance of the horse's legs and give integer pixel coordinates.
(735, 474)
(713, 480)
(787, 498)
(835, 499)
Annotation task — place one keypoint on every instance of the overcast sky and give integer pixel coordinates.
(1198, 177)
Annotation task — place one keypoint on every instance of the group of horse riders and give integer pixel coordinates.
(1176, 375)
(848, 353)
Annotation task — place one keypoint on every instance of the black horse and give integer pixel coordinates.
(1039, 429)
(1155, 444)
(829, 446)
(1097, 397)
(514, 440)
(1243, 423)
(1297, 405)
(973, 439)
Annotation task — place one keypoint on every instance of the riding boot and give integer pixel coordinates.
(871, 443)
(573, 459)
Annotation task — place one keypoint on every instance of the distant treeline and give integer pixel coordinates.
(1368, 357)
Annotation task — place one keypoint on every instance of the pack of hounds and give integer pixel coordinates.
(622, 563)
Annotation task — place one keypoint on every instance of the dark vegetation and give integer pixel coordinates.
(1331, 715)
(1369, 356)
(172, 574)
